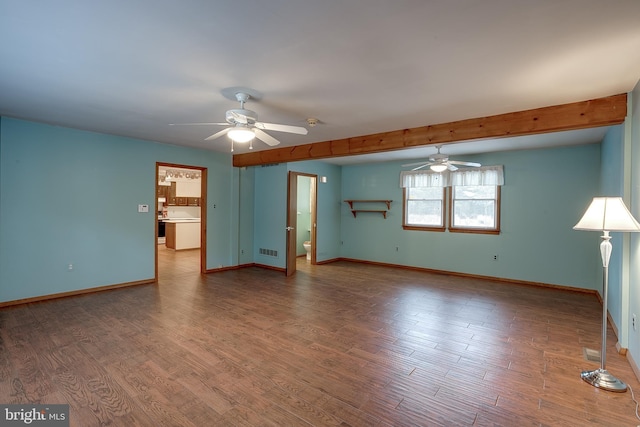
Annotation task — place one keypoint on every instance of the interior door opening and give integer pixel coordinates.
(180, 230)
(301, 219)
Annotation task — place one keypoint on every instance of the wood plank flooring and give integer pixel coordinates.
(341, 344)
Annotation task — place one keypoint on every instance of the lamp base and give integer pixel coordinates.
(601, 378)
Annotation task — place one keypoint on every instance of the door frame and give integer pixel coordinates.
(203, 212)
(292, 219)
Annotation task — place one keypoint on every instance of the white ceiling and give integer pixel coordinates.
(360, 66)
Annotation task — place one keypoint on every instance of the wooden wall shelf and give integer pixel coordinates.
(354, 211)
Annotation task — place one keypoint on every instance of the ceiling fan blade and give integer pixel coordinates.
(417, 163)
(282, 128)
(424, 165)
(265, 137)
(451, 167)
(217, 134)
(470, 164)
(198, 124)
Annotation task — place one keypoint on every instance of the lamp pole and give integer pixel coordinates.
(602, 378)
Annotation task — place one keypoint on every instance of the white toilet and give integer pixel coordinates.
(307, 247)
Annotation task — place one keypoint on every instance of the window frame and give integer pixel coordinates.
(415, 227)
(475, 230)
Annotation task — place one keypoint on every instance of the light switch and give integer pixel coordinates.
(143, 208)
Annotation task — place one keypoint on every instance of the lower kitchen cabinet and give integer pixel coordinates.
(182, 235)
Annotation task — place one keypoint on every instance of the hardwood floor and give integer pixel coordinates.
(340, 344)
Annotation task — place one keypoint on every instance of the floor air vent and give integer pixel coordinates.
(590, 354)
(268, 252)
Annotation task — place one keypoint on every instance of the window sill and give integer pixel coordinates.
(419, 228)
(475, 230)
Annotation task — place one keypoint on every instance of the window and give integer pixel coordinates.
(424, 208)
(473, 199)
(475, 208)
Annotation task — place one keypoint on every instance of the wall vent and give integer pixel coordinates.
(268, 252)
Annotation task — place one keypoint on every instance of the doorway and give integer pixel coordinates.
(301, 218)
(181, 208)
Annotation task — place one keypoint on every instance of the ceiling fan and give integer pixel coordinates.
(440, 162)
(244, 126)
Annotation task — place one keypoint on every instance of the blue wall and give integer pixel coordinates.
(270, 219)
(328, 207)
(246, 190)
(545, 193)
(633, 303)
(271, 210)
(612, 184)
(71, 197)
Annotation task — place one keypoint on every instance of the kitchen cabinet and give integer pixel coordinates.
(162, 190)
(182, 234)
(170, 235)
(171, 195)
(188, 188)
(180, 194)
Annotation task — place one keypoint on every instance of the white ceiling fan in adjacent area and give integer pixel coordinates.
(244, 125)
(439, 162)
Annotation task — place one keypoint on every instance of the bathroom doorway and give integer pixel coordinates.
(301, 219)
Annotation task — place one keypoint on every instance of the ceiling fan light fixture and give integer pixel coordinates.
(241, 134)
(438, 168)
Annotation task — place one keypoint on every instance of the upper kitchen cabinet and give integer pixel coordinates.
(182, 187)
(188, 188)
(184, 194)
(171, 195)
(162, 190)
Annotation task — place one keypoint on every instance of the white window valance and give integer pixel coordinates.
(423, 179)
(484, 175)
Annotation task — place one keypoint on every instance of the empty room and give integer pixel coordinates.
(418, 213)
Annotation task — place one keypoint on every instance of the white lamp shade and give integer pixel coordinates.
(607, 214)
(438, 168)
(241, 134)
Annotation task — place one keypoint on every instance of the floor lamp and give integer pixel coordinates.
(606, 214)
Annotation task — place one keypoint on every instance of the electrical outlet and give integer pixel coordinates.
(397, 249)
(70, 267)
(495, 257)
(633, 321)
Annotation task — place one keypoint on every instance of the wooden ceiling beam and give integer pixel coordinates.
(607, 111)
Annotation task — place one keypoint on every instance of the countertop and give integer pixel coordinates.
(179, 220)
